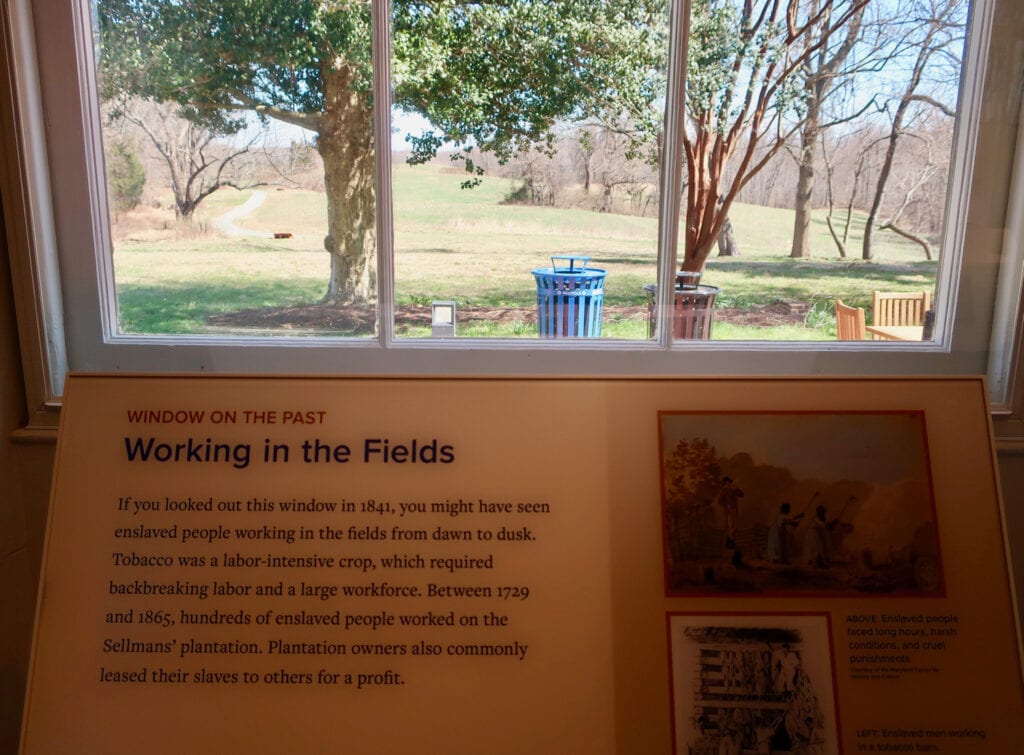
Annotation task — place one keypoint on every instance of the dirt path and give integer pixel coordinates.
(226, 222)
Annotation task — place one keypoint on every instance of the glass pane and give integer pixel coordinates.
(526, 150)
(240, 165)
(525, 153)
(818, 137)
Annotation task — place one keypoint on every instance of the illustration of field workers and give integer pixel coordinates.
(776, 503)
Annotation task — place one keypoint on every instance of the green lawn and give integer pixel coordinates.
(467, 245)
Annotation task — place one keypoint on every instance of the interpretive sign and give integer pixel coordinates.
(494, 566)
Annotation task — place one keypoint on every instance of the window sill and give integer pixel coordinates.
(41, 427)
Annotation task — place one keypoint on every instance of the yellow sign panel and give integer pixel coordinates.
(529, 565)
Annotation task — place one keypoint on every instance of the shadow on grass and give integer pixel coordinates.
(891, 272)
(279, 306)
(183, 308)
(757, 282)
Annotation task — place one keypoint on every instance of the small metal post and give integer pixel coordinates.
(442, 319)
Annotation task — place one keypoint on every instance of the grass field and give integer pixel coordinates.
(468, 246)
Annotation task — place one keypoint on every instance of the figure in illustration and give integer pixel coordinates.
(764, 679)
(731, 742)
(780, 534)
(729, 499)
(787, 665)
(820, 537)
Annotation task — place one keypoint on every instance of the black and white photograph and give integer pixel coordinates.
(752, 684)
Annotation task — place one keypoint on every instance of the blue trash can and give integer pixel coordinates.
(570, 297)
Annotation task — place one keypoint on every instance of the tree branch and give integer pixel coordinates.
(944, 109)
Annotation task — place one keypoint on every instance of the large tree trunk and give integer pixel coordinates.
(727, 241)
(345, 143)
(867, 250)
(931, 44)
(821, 70)
(809, 136)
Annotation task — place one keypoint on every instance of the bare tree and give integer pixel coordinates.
(199, 159)
(617, 164)
(851, 160)
(584, 148)
(840, 238)
(927, 167)
(773, 186)
(822, 72)
(935, 29)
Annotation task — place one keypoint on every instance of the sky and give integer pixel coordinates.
(282, 134)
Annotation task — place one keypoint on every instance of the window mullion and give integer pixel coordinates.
(672, 168)
(382, 165)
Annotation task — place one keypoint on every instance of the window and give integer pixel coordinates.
(61, 169)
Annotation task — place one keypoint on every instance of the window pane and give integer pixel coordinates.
(240, 166)
(526, 149)
(816, 163)
(527, 143)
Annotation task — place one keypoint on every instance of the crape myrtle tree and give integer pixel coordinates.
(745, 98)
(495, 76)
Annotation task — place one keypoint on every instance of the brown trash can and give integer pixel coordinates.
(692, 311)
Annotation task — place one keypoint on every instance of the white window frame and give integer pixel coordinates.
(54, 195)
